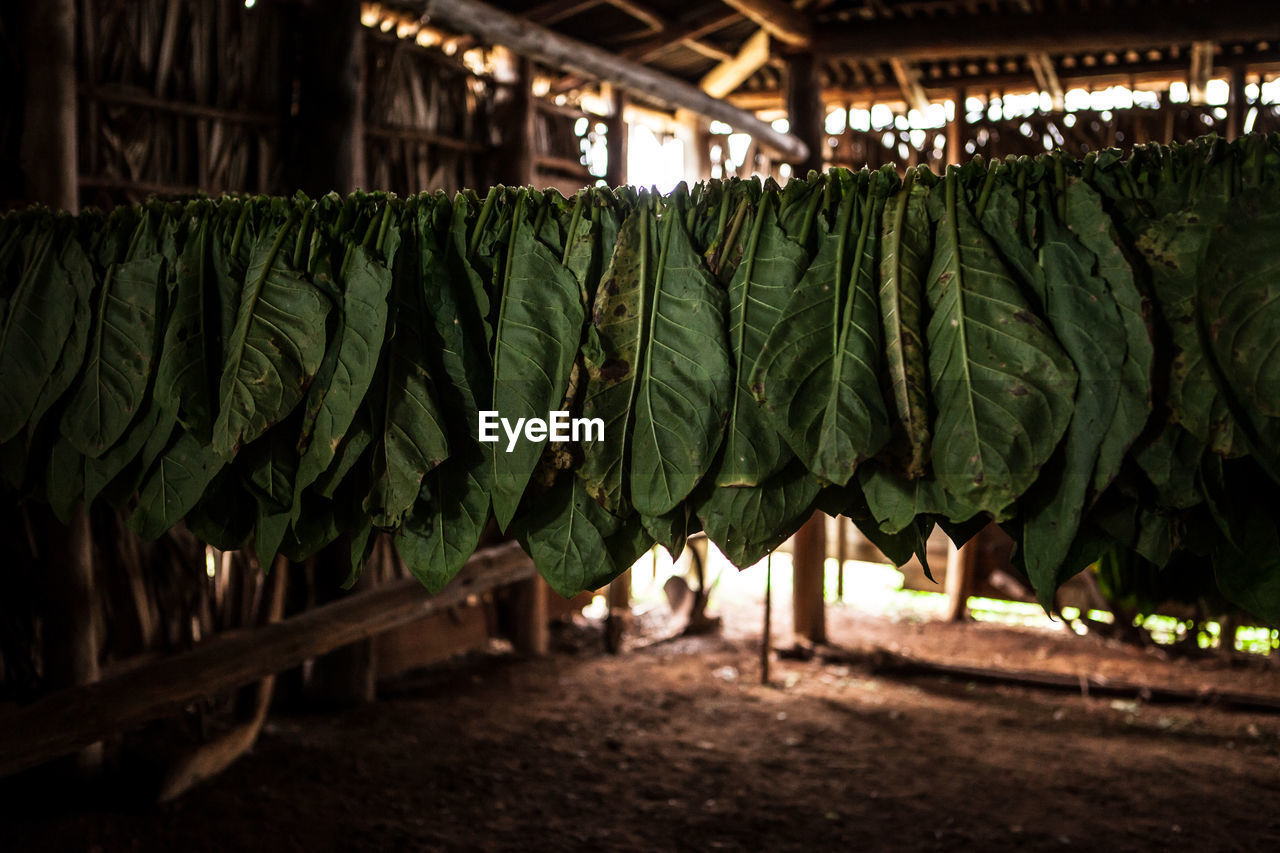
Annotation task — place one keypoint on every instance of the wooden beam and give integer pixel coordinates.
(779, 19)
(649, 47)
(67, 720)
(1142, 75)
(1200, 72)
(1122, 28)
(729, 75)
(804, 110)
(908, 77)
(1047, 78)
(559, 10)
(808, 556)
(48, 150)
(641, 13)
(547, 46)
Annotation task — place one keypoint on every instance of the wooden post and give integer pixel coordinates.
(842, 553)
(327, 142)
(809, 553)
(519, 165)
(616, 175)
(766, 635)
(1238, 105)
(618, 596)
(955, 130)
(804, 110)
(530, 635)
(49, 134)
(959, 580)
(69, 631)
(348, 676)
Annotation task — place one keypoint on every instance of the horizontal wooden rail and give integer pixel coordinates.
(70, 719)
(430, 137)
(130, 98)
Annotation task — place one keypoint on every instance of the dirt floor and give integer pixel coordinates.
(677, 746)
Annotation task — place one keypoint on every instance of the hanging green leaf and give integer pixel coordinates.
(818, 374)
(274, 350)
(1001, 383)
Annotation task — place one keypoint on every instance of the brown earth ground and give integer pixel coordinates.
(677, 746)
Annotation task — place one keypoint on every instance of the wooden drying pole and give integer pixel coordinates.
(558, 51)
(70, 719)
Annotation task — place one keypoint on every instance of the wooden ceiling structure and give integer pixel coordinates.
(911, 51)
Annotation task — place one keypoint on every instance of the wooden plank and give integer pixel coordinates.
(778, 19)
(67, 720)
(883, 662)
(556, 50)
(1056, 33)
(731, 73)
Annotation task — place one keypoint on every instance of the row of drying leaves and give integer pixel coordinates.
(1079, 350)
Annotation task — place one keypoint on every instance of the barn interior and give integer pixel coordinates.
(163, 693)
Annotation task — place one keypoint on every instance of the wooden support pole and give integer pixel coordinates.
(69, 631)
(326, 142)
(616, 173)
(809, 555)
(67, 720)
(955, 130)
(1238, 105)
(766, 634)
(49, 134)
(618, 596)
(959, 580)
(559, 51)
(842, 553)
(519, 158)
(804, 110)
(530, 635)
